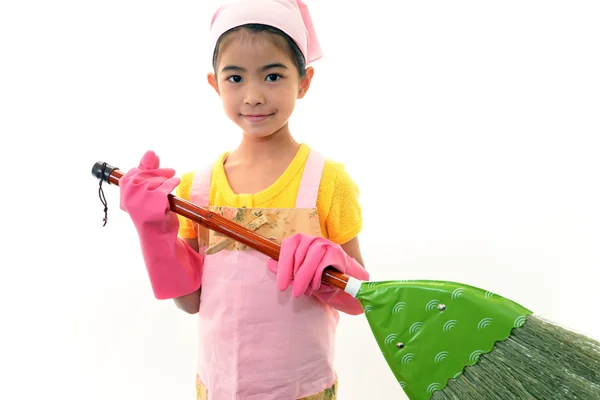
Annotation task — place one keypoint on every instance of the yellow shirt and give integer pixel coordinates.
(337, 201)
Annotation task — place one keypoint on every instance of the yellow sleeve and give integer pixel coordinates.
(186, 227)
(339, 209)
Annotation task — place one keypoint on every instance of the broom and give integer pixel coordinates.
(445, 340)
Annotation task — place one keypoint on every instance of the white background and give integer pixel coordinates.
(480, 120)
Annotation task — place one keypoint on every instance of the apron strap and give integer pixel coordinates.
(311, 180)
(200, 190)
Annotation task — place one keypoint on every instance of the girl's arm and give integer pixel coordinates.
(352, 248)
(339, 299)
(190, 303)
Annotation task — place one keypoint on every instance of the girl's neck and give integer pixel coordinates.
(279, 145)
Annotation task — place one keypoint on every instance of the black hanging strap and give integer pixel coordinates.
(101, 195)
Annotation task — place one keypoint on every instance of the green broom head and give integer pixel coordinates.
(451, 341)
(429, 331)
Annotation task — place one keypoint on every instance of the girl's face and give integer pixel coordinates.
(258, 82)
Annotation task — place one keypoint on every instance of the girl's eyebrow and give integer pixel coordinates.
(272, 66)
(263, 68)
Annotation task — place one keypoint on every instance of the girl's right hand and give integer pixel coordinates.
(144, 190)
(174, 268)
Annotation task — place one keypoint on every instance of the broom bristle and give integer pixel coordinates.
(540, 360)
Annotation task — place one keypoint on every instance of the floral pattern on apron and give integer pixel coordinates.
(327, 394)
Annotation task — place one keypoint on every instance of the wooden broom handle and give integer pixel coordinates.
(217, 223)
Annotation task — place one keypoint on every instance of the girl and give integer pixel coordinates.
(266, 328)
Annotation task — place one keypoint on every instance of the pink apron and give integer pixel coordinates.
(255, 342)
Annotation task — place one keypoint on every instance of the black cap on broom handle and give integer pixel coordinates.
(215, 222)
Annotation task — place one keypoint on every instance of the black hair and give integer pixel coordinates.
(295, 53)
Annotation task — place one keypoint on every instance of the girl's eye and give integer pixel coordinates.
(235, 79)
(273, 77)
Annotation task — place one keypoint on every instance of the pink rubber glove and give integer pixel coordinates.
(301, 263)
(174, 268)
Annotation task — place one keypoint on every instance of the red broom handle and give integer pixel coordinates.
(217, 223)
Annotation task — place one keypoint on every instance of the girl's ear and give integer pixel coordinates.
(212, 81)
(305, 82)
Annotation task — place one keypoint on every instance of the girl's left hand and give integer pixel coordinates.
(302, 260)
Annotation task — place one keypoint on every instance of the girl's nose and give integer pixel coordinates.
(254, 95)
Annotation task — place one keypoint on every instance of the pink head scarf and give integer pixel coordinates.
(290, 16)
